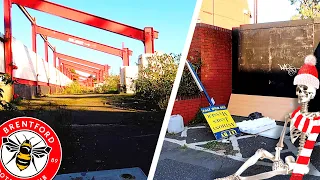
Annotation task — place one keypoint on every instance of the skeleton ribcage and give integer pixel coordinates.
(294, 133)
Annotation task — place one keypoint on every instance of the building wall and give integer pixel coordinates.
(33, 74)
(224, 13)
(213, 45)
(267, 57)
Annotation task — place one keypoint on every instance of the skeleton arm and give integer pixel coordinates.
(280, 143)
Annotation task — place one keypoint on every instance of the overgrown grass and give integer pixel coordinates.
(76, 88)
(219, 146)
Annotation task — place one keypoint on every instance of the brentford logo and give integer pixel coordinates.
(30, 149)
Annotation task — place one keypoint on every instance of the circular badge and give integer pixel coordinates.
(30, 149)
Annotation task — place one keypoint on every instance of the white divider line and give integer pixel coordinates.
(197, 127)
(184, 133)
(198, 148)
(246, 136)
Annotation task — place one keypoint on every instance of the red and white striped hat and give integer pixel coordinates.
(308, 73)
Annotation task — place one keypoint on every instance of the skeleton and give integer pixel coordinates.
(303, 124)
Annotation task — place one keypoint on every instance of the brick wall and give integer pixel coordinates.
(213, 45)
(187, 108)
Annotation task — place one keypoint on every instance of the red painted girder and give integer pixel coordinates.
(80, 41)
(84, 18)
(7, 37)
(80, 68)
(75, 74)
(78, 60)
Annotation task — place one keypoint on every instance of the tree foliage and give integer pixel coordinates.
(6, 80)
(188, 86)
(306, 9)
(155, 81)
(110, 85)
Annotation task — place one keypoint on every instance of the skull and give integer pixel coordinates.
(305, 93)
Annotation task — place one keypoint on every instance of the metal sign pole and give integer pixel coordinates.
(198, 82)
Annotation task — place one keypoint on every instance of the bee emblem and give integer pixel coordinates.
(25, 152)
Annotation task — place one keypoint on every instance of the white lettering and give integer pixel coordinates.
(2, 175)
(37, 125)
(42, 129)
(31, 123)
(11, 126)
(51, 140)
(17, 124)
(5, 130)
(24, 124)
(47, 134)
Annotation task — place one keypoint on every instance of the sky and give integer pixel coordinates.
(170, 18)
(273, 10)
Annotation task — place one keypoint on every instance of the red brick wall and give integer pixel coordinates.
(187, 108)
(213, 45)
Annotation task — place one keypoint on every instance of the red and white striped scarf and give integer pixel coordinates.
(312, 128)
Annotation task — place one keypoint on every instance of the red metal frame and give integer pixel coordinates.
(123, 53)
(89, 81)
(80, 61)
(7, 37)
(92, 72)
(147, 35)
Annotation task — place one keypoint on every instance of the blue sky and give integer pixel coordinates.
(170, 18)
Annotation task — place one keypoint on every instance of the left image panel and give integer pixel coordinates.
(84, 85)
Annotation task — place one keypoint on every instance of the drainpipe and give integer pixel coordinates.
(255, 11)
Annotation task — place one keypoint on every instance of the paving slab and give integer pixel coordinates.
(315, 158)
(175, 136)
(117, 174)
(249, 146)
(176, 163)
(199, 135)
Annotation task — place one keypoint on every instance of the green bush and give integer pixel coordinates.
(199, 118)
(110, 85)
(188, 86)
(155, 81)
(75, 88)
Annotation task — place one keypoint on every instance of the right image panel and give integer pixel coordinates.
(247, 106)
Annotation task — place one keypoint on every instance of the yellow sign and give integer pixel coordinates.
(220, 120)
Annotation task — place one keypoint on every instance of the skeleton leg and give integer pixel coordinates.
(260, 154)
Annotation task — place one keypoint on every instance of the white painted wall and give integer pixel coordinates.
(127, 75)
(30, 64)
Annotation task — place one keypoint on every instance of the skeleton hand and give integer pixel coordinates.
(279, 165)
(287, 117)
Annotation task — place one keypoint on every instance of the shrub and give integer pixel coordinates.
(199, 118)
(75, 88)
(188, 86)
(155, 81)
(110, 85)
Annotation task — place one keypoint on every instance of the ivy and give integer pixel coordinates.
(7, 80)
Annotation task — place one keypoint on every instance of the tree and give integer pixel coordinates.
(306, 9)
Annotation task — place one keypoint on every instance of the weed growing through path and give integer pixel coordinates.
(219, 146)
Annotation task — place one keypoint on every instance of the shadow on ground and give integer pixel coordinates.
(98, 132)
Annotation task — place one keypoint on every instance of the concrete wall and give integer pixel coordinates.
(267, 56)
(224, 13)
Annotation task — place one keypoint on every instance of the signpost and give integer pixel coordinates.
(218, 117)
